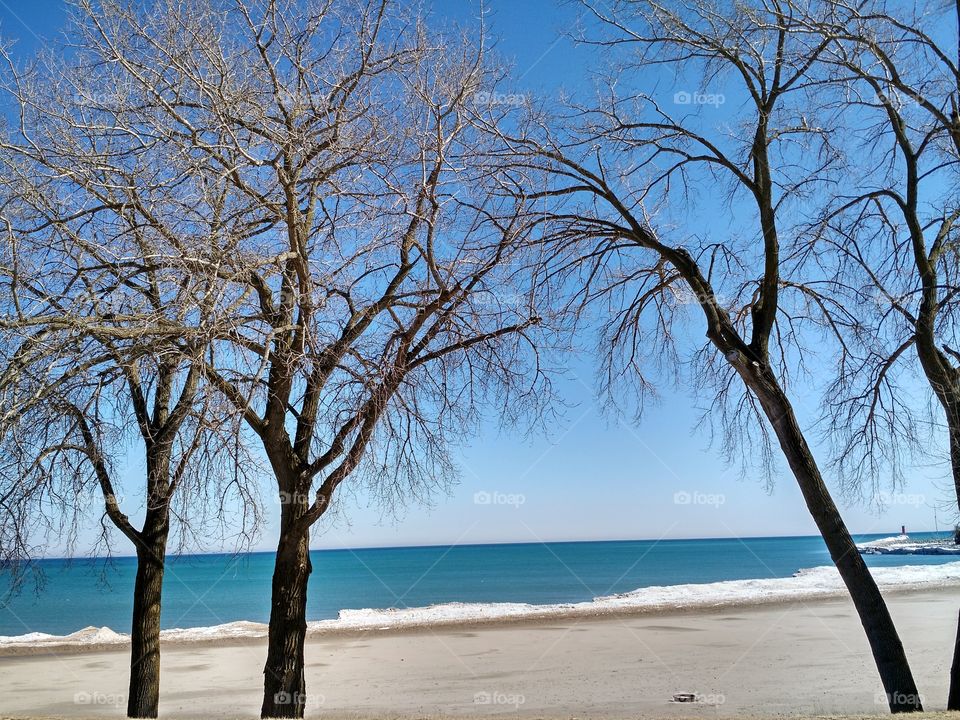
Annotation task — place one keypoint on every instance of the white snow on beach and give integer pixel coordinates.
(88, 636)
(819, 582)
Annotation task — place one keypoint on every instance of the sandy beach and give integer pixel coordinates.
(799, 658)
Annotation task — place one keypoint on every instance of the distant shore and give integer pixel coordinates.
(795, 657)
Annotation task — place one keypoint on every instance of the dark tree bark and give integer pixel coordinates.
(751, 361)
(944, 379)
(150, 541)
(159, 430)
(950, 399)
(143, 699)
(284, 693)
(888, 653)
(953, 423)
(953, 697)
(953, 418)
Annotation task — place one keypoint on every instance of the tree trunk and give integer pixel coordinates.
(951, 404)
(943, 381)
(143, 699)
(888, 653)
(284, 686)
(953, 697)
(953, 422)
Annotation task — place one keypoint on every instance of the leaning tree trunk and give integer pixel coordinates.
(888, 653)
(953, 697)
(953, 424)
(143, 698)
(284, 685)
(944, 381)
(951, 404)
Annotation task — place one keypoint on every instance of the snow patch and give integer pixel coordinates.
(903, 545)
(88, 636)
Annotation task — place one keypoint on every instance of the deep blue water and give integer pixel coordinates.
(204, 590)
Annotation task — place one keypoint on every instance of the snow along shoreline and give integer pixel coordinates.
(808, 584)
(903, 545)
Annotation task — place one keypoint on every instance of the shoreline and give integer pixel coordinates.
(531, 620)
(745, 659)
(808, 584)
(536, 582)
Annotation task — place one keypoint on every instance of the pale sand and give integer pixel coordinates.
(807, 658)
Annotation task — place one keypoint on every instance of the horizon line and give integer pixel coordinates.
(493, 543)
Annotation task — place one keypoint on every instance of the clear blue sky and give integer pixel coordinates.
(594, 477)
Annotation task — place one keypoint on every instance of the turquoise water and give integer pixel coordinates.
(202, 590)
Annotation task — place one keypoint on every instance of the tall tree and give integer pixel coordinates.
(889, 236)
(636, 214)
(104, 329)
(381, 294)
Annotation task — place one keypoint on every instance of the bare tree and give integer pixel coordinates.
(104, 330)
(655, 210)
(382, 289)
(889, 237)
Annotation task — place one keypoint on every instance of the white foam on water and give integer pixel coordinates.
(818, 582)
